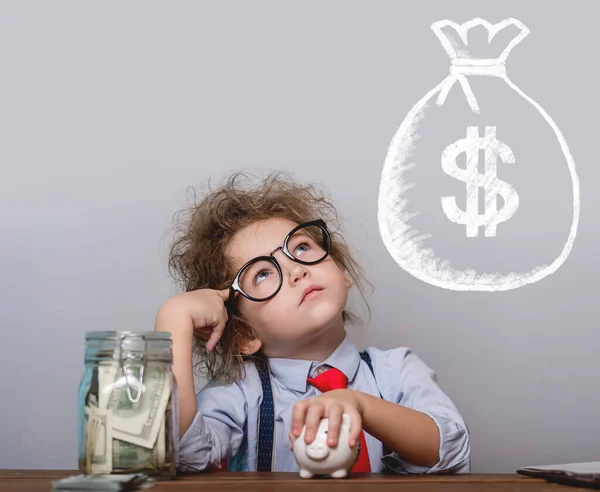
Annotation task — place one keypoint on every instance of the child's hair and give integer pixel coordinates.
(197, 257)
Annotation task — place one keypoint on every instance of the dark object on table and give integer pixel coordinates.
(576, 474)
(104, 483)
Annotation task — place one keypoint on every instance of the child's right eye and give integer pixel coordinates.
(261, 276)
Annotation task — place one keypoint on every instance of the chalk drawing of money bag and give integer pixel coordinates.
(478, 113)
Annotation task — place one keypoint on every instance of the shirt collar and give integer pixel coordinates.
(292, 373)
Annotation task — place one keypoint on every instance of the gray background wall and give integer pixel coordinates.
(110, 110)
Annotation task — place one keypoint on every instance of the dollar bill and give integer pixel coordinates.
(98, 455)
(106, 379)
(92, 401)
(161, 449)
(103, 483)
(139, 422)
(130, 457)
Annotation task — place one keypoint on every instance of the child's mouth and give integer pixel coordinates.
(310, 295)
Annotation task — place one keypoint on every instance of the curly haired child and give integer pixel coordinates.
(266, 275)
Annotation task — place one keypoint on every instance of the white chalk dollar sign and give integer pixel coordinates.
(492, 186)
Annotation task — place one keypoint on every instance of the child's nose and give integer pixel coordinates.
(293, 270)
(298, 272)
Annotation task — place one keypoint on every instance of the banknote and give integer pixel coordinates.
(98, 443)
(130, 457)
(101, 483)
(139, 422)
(106, 379)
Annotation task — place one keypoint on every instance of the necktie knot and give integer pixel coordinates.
(331, 379)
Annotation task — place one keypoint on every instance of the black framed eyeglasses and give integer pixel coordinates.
(261, 278)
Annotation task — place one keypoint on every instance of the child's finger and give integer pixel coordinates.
(334, 414)
(313, 418)
(298, 416)
(355, 428)
(218, 327)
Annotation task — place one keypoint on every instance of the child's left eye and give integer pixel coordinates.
(301, 248)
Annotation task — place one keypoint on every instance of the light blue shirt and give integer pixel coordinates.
(227, 417)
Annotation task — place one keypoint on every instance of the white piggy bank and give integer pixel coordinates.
(317, 458)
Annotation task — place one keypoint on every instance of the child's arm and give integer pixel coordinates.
(422, 417)
(217, 430)
(211, 424)
(202, 311)
(173, 318)
(411, 434)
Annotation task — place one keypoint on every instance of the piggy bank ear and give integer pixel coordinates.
(346, 420)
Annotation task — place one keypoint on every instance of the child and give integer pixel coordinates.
(266, 279)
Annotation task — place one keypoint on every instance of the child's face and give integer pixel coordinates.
(285, 322)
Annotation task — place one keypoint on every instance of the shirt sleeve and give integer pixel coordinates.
(413, 384)
(217, 430)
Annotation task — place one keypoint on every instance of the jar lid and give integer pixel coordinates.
(118, 335)
(128, 345)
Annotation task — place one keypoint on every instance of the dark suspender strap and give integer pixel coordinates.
(266, 422)
(365, 356)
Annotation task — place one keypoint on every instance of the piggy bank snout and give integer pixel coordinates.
(317, 450)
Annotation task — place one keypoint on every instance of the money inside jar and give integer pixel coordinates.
(127, 395)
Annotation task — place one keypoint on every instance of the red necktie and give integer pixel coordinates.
(333, 379)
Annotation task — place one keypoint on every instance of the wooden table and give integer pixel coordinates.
(41, 481)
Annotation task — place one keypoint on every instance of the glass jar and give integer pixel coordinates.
(128, 414)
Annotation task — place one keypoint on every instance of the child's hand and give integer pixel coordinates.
(209, 315)
(332, 405)
(206, 311)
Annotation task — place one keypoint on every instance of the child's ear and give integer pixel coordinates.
(250, 347)
(348, 282)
